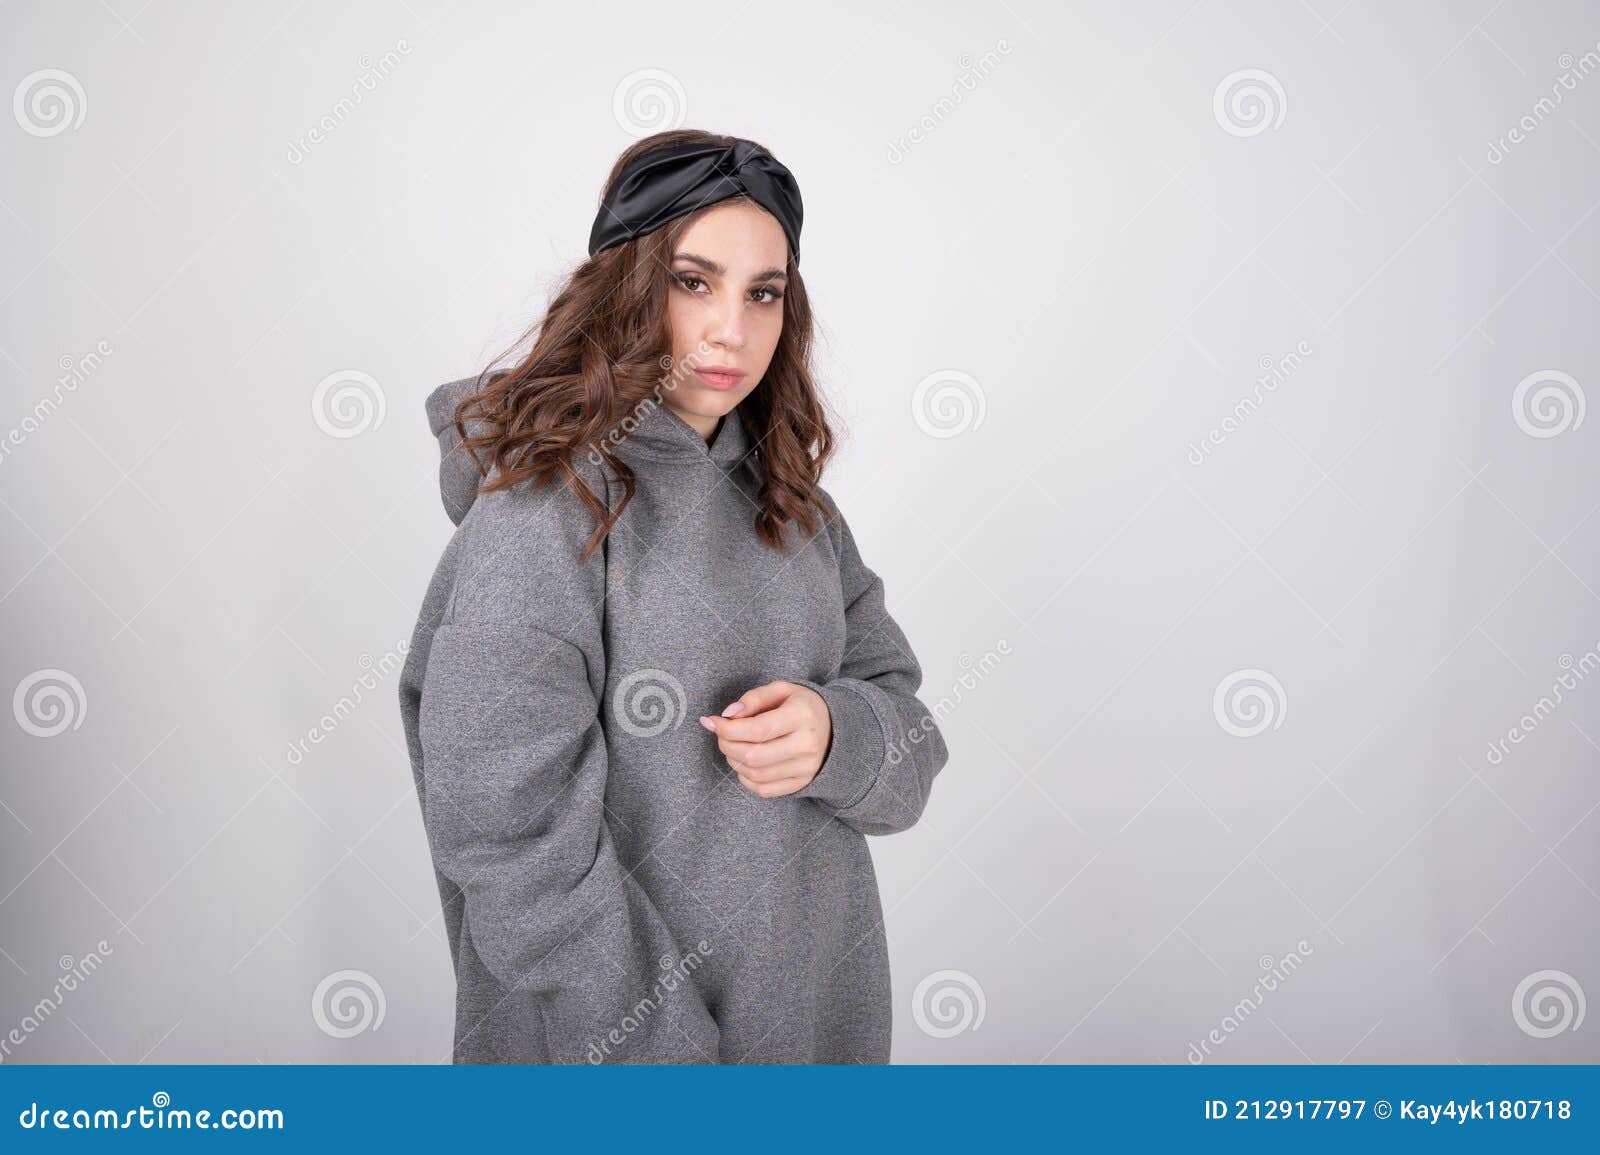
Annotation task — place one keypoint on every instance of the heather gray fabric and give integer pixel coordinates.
(610, 891)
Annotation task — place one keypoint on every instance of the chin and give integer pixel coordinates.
(708, 402)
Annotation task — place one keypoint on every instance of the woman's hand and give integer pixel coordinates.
(775, 737)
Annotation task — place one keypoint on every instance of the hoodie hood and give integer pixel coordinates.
(458, 476)
(656, 434)
(660, 434)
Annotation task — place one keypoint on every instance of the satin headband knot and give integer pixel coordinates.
(668, 183)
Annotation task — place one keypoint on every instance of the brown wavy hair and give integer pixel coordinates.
(599, 354)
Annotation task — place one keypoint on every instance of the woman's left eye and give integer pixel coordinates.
(772, 295)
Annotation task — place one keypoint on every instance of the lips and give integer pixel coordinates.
(717, 378)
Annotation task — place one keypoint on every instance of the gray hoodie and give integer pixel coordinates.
(611, 892)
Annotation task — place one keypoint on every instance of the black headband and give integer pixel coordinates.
(668, 183)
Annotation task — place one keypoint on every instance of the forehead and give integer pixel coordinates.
(742, 236)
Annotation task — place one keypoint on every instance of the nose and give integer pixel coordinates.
(727, 324)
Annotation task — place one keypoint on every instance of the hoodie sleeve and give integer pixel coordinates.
(886, 746)
(514, 767)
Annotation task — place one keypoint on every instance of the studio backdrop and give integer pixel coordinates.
(1213, 381)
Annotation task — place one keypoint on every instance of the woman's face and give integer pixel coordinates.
(725, 306)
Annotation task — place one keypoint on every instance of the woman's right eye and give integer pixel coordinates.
(685, 278)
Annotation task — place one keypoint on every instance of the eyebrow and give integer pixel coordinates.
(711, 266)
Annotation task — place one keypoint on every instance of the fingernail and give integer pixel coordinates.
(707, 723)
(733, 710)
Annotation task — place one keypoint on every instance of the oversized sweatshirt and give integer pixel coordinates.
(611, 892)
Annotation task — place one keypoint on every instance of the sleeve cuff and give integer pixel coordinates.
(858, 750)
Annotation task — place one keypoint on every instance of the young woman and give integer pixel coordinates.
(654, 701)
